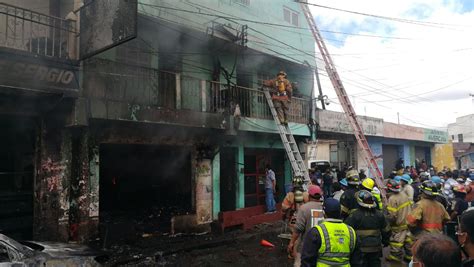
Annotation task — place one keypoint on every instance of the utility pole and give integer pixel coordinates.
(398, 117)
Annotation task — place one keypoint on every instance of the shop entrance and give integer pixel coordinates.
(144, 185)
(17, 153)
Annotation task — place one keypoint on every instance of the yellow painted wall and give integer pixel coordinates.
(443, 156)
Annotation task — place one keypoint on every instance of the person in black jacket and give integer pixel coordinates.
(348, 200)
(371, 228)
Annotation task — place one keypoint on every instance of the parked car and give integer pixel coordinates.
(32, 253)
(321, 165)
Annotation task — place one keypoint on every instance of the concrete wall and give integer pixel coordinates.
(406, 151)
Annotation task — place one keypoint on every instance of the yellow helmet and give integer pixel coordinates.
(368, 183)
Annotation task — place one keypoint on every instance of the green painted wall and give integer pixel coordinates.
(216, 186)
(240, 186)
(270, 39)
(269, 126)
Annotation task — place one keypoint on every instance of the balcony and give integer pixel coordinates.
(121, 86)
(37, 34)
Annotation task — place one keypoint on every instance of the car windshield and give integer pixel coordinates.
(21, 248)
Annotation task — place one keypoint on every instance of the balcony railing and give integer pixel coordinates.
(36, 33)
(147, 86)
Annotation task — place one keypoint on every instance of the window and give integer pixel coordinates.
(452, 137)
(242, 2)
(291, 16)
(460, 138)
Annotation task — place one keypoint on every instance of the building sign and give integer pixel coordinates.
(436, 136)
(332, 121)
(30, 73)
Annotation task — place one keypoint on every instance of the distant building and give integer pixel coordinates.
(462, 134)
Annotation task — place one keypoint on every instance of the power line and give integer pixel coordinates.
(273, 24)
(416, 22)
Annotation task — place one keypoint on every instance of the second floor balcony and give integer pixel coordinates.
(119, 85)
(37, 34)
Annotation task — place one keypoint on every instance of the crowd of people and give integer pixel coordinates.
(426, 218)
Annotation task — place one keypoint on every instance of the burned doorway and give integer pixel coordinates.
(228, 177)
(255, 161)
(144, 185)
(17, 140)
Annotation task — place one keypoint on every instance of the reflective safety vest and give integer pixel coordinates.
(337, 243)
(376, 193)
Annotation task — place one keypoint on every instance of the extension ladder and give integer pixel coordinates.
(291, 147)
(344, 99)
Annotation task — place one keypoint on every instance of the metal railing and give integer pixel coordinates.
(252, 102)
(36, 33)
(147, 86)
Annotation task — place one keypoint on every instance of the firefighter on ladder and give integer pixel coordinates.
(281, 96)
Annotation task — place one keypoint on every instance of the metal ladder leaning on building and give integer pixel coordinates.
(343, 98)
(291, 147)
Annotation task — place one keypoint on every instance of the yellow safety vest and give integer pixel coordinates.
(379, 199)
(337, 243)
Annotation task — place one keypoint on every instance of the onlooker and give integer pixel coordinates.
(270, 183)
(435, 250)
(465, 234)
(362, 175)
(307, 217)
(339, 189)
(327, 183)
(321, 242)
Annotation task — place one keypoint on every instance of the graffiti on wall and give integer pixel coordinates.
(204, 191)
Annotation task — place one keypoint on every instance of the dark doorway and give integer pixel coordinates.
(228, 176)
(143, 184)
(390, 154)
(17, 142)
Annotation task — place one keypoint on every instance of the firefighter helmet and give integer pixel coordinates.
(368, 183)
(365, 199)
(394, 185)
(459, 189)
(429, 188)
(353, 177)
(281, 73)
(297, 181)
(353, 180)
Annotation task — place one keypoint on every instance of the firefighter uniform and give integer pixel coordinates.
(428, 216)
(371, 228)
(398, 207)
(281, 95)
(348, 201)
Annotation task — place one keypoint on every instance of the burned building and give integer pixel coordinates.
(165, 132)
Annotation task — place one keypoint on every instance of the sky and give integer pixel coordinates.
(421, 68)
